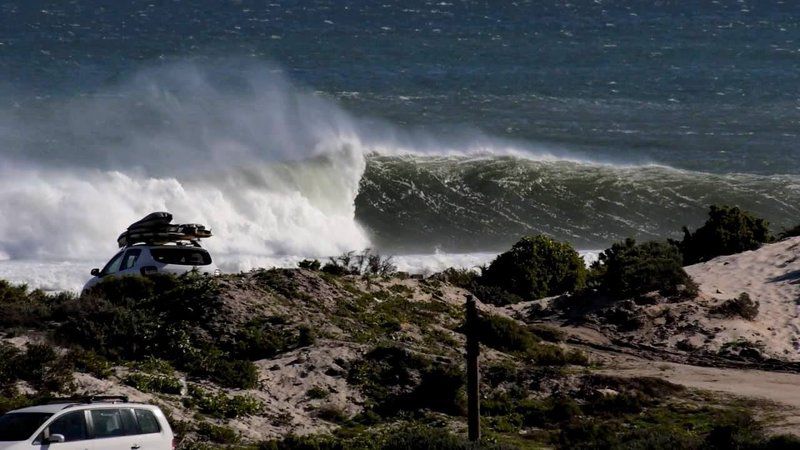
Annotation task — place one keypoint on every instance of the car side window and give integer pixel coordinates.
(130, 258)
(107, 423)
(71, 425)
(113, 265)
(147, 421)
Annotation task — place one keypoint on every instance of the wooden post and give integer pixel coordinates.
(473, 380)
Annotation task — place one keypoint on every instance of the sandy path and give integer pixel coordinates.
(782, 389)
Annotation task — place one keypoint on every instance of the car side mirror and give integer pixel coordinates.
(95, 272)
(55, 438)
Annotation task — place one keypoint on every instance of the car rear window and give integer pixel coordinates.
(181, 256)
(147, 421)
(20, 426)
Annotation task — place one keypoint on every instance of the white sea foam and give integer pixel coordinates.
(71, 275)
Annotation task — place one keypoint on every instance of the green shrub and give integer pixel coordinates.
(395, 379)
(222, 406)
(504, 334)
(627, 270)
(90, 362)
(316, 393)
(536, 267)
(310, 264)
(332, 413)
(742, 306)
(45, 370)
(24, 308)
(164, 384)
(217, 434)
(429, 438)
(728, 230)
(735, 430)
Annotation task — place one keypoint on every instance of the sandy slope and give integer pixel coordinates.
(770, 275)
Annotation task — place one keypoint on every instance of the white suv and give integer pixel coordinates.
(151, 259)
(98, 423)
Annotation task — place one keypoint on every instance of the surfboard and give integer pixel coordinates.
(155, 228)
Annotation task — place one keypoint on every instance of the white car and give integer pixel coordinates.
(99, 423)
(145, 259)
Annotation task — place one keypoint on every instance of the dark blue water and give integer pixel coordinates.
(701, 85)
(707, 87)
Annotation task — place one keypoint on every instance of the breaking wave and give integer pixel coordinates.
(280, 172)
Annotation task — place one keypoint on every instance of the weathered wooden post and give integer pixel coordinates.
(473, 380)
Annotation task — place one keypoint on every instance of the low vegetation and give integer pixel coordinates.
(536, 267)
(742, 306)
(628, 269)
(728, 230)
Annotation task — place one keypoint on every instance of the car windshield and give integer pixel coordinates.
(181, 256)
(20, 426)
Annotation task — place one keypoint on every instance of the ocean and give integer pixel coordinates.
(439, 132)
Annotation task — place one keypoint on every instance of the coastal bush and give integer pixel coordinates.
(628, 269)
(742, 306)
(504, 334)
(217, 434)
(145, 382)
(22, 307)
(40, 365)
(87, 361)
(310, 264)
(396, 379)
(728, 230)
(536, 267)
(507, 335)
(368, 263)
(222, 406)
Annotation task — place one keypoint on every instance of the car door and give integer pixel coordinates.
(113, 265)
(128, 265)
(111, 430)
(151, 435)
(73, 427)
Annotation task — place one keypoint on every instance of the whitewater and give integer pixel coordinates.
(281, 172)
(273, 169)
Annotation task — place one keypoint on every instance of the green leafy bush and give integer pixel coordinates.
(507, 335)
(145, 382)
(728, 230)
(628, 269)
(217, 434)
(310, 264)
(536, 267)
(222, 406)
(24, 308)
(504, 334)
(742, 306)
(396, 379)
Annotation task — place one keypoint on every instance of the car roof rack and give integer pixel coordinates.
(87, 399)
(157, 228)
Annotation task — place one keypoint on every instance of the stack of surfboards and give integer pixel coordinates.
(157, 228)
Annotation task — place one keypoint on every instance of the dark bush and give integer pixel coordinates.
(24, 308)
(310, 264)
(217, 434)
(735, 430)
(427, 438)
(396, 379)
(504, 334)
(627, 270)
(536, 267)
(728, 230)
(507, 335)
(742, 306)
(44, 369)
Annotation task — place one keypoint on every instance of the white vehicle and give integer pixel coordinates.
(92, 423)
(155, 245)
(145, 259)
